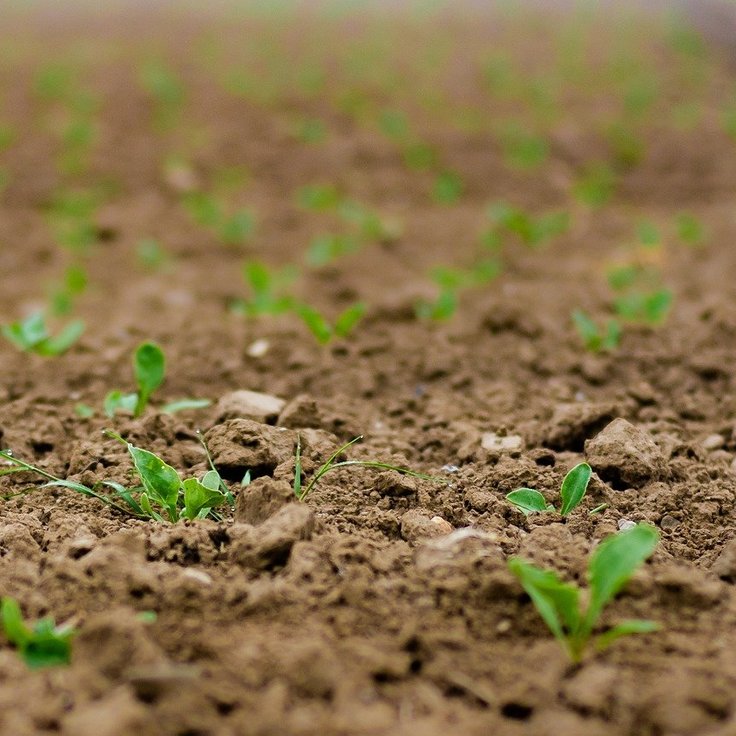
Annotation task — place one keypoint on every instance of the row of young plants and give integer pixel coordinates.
(162, 495)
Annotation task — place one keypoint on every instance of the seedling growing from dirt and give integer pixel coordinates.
(611, 566)
(522, 150)
(332, 463)
(532, 231)
(161, 493)
(322, 330)
(32, 335)
(151, 255)
(72, 285)
(596, 185)
(690, 229)
(572, 492)
(267, 287)
(149, 368)
(325, 249)
(41, 645)
(648, 308)
(596, 339)
(448, 188)
(318, 197)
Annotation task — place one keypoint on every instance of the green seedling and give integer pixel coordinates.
(626, 147)
(166, 90)
(267, 288)
(161, 494)
(597, 339)
(151, 255)
(332, 463)
(322, 330)
(394, 124)
(32, 335)
(318, 197)
(311, 131)
(149, 369)
(7, 137)
(324, 249)
(648, 234)
(690, 229)
(448, 188)
(649, 308)
(596, 185)
(73, 284)
(611, 566)
(42, 644)
(209, 212)
(419, 156)
(572, 493)
(53, 82)
(440, 309)
(370, 225)
(523, 150)
(532, 231)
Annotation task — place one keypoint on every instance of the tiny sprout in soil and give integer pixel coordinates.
(322, 330)
(611, 566)
(332, 463)
(572, 492)
(42, 644)
(149, 369)
(596, 339)
(32, 335)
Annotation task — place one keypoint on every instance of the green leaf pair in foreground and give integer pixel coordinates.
(572, 493)
(149, 369)
(41, 645)
(610, 567)
(161, 496)
(32, 335)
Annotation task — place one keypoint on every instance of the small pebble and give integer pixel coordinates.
(714, 442)
(668, 522)
(450, 468)
(198, 576)
(624, 524)
(493, 441)
(503, 626)
(258, 348)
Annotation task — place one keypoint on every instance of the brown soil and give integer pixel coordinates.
(383, 605)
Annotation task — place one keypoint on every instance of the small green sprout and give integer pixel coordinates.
(596, 185)
(523, 150)
(324, 249)
(448, 188)
(150, 254)
(419, 156)
(267, 289)
(32, 335)
(690, 229)
(149, 368)
(318, 197)
(394, 124)
(41, 645)
(572, 492)
(209, 212)
(74, 283)
(311, 131)
(611, 566)
(322, 330)
(648, 308)
(332, 463)
(649, 235)
(532, 231)
(596, 339)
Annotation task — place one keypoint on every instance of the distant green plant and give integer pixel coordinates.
(532, 231)
(649, 235)
(53, 82)
(7, 136)
(369, 224)
(646, 307)
(149, 369)
(596, 185)
(572, 493)
(419, 156)
(311, 131)
(324, 249)
(451, 283)
(208, 211)
(394, 124)
(521, 149)
(268, 290)
(332, 463)
(594, 338)
(32, 335)
(71, 218)
(448, 187)
(690, 229)
(151, 255)
(324, 331)
(318, 197)
(73, 284)
(627, 148)
(42, 644)
(611, 566)
(166, 90)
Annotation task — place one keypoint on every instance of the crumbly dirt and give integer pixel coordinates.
(382, 605)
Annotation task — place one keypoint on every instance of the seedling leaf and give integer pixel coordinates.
(161, 481)
(184, 405)
(197, 497)
(614, 562)
(528, 500)
(625, 628)
(149, 366)
(574, 486)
